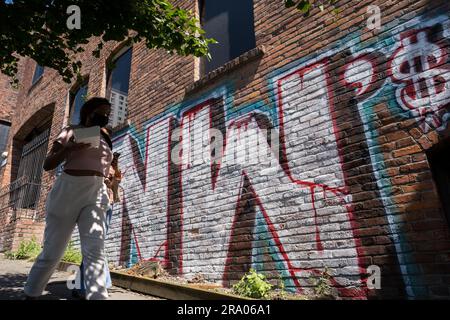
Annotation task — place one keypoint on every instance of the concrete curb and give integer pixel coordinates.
(162, 289)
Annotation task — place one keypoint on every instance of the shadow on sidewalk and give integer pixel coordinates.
(11, 288)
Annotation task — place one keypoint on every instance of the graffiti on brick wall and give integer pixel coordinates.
(420, 68)
(221, 212)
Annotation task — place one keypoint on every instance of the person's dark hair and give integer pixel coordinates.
(89, 107)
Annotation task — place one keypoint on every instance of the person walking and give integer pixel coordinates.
(78, 197)
(112, 183)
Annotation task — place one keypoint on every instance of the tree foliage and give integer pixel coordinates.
(38, 29)
(305, 6)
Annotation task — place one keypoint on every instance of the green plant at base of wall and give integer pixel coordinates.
(322, 284)
(253, 285)
(72, 254)
(282, 287)
(28, 250)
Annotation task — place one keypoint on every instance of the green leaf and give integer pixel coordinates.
(289, 3)
(253, 285)
(304, 6)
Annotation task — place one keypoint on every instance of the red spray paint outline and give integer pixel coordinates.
(285, 166)
(312, 186)
(337, 191)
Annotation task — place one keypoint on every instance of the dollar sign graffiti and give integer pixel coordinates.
(424, 84)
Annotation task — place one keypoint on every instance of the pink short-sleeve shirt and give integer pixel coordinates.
(97, 159)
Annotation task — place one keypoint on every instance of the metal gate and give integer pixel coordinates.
(28, 184)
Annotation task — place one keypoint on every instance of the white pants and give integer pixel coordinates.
(73, 200)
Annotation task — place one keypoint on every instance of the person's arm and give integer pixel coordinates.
(59, 152)
(55, 157)
(118, 175)
(108, 182)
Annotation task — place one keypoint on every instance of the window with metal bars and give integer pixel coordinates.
(26, 189)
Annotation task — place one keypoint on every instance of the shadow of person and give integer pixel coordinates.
(11, 288)
(57, 290)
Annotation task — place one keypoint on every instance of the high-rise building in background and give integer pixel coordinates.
(119, 107)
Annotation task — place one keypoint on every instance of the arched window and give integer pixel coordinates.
(118, 85)
(38, 72)
(4, 132)
(29, 149)
(77, 99)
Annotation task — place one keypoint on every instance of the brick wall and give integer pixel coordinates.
(8, 98)
(346, 116)
(8, 102)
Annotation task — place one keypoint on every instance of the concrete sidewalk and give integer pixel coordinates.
(13, 274)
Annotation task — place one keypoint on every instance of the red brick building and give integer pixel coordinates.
(354, 121)
(8, 102)
(8, 98)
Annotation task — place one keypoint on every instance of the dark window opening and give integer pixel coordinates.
(38, 72)
(77, 100)
(439, 160)
(231, 23)
(118, 86)
(4, 132)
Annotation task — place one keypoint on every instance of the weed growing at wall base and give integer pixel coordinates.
(322, 287)
(253, 285)
(28, 250)
(72, 254)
